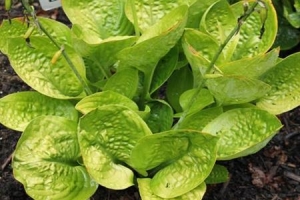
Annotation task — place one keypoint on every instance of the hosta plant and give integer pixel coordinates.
(144, 93)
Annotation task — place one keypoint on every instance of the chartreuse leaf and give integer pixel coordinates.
(16, 28)
(164, 69)
(153, 45)
(180, 81)
(200, 119)
(236, 89)
(147, 194)
(124, 82)
(150, 12)
(161, 116)
(285, 86)
(98, 20)
(199, 49)
(103, 54)
(218, 20)
(173, 152)
(46, 161)
(34, 66)
(59, 31)
(107, 136)
(202, 99)
(196, 12)
(219, 174)
(242, 131)
(252, 67)
(99, 99)
(18, 109)
(250, 43)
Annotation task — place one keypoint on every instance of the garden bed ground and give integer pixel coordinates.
(271, 174)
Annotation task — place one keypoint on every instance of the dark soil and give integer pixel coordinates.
(271, 174)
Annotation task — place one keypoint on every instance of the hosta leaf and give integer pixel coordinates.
(124, 82)
(236, 89)
(34, 66)
(103, 53)
(285, 86)
(164, 69)
(107, 136)
(155, 43)
(199, 120)
(46, 161)
(150, 12)
(59, 31)
(251, 67)
(250, 43)
(99, 99)
(242, 131)
(199, 49)
(200, 101)
(98, 20)
(161, 116)
(147, 194)
(196, 12)
(16, 28)
(18, 109)
(180, 81)
(176, 151)
(219, 174)
(218, 20)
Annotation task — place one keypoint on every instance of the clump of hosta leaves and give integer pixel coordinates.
(143, 93)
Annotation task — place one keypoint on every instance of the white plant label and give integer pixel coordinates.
(50, 4)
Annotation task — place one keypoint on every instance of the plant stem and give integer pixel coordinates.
(135, 18)
(236, 29)
(70, 63)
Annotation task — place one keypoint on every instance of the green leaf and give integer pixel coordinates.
(180, 81)
(242, 131)
(155, 43)
(285, 86)
(18, 109)
(105, 98)
(236, 89)
(202, 99)
(252, 67)
(219, 174)
(200, 119)
(107, 136)
(17, 28)
(107, 48)
(103, 54)
(98, 20)
(287, 36)
(218, 20)
(175, 151)
(14, 29)
(147, 194)
(60, 32)
(124, 82)
(196, 12)
(34, 67)
(161, 116)
(150, 12)
(164, 69)
(46, 161)
(250, 44)
(199, 49)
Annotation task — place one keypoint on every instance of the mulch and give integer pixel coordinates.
(271, 174)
